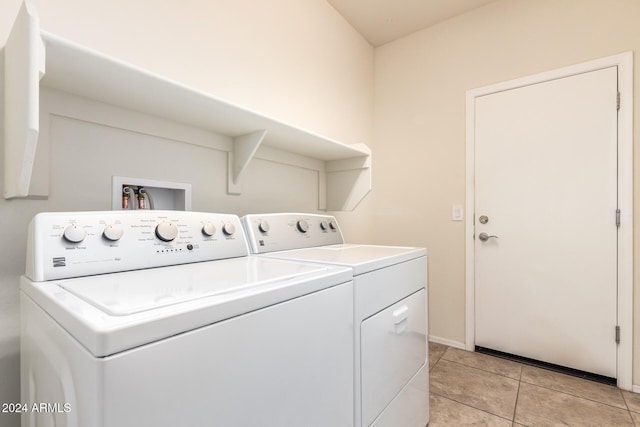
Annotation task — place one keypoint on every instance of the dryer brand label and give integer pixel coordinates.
(60, 261)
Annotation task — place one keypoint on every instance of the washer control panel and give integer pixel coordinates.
(74, 244)
(285, 231)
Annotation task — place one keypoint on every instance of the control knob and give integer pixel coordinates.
(303, 226)
(113, 232)
(74, 234)
(324, 225)
(229, 229)
(166, 231)
(263, 226)
(332, 225)
(208, 229)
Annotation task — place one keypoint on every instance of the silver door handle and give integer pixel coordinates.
(484, 237)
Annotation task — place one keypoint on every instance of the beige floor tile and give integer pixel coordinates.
(538, 406)
(632, 399)
(485, 362)
(473, 387)
(447, 413)
(636, 418)
(435, 352)
(575, 386)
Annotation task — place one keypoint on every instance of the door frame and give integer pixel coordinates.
(624, 62)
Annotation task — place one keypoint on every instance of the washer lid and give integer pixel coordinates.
(122, 294)
(361, 258)
(111, 313)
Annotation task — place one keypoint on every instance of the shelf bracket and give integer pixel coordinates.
(24, 66)
(244, 148)
(348, 181)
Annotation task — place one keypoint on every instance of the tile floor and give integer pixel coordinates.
(470, 388)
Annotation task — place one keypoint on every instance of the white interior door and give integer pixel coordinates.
(546, 181)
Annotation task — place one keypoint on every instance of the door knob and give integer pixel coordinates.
(484, 237)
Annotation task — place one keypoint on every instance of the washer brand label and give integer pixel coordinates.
(60, 261)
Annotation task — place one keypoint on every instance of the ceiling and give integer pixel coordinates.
(381, 21)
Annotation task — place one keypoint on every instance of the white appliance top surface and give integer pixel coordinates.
(127, 293)
(113, 312)
(361, 258)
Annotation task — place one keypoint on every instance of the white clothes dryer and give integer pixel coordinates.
(208, 337)
(391, 380)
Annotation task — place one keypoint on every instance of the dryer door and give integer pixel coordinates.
(393, 349)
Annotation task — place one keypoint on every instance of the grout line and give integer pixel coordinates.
(499, 359)
(466, 404)
(483, 370)
(629, 409)
(515, 407)
(472, 407)
(577, 396)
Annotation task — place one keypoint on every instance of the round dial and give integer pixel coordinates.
(113, 232)
(263, 226)
(332, 224)
(166, 231)
(74, 234)
(303, 226)
(208, 229)
(324, 224)
(229, 229)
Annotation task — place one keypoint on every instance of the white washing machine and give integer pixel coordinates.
(391, 380)
(207, 337)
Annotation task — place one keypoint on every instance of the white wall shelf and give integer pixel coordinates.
(24, 66)
(83, 72)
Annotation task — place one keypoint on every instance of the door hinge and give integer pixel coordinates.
(617, 334)
(618, 101)
(618, 218)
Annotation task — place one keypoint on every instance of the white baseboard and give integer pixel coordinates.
(448, 342)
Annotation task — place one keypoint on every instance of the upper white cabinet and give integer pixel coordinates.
(35, 59)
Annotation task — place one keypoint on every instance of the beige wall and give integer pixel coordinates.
(298, 62)
(419, 120)
(273, 57)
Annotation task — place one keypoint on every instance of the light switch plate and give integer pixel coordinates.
(457, 213)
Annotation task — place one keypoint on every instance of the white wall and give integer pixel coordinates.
(297, 61)
(419, 121)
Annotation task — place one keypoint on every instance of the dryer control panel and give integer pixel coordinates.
(285, 231)
(73, 244)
